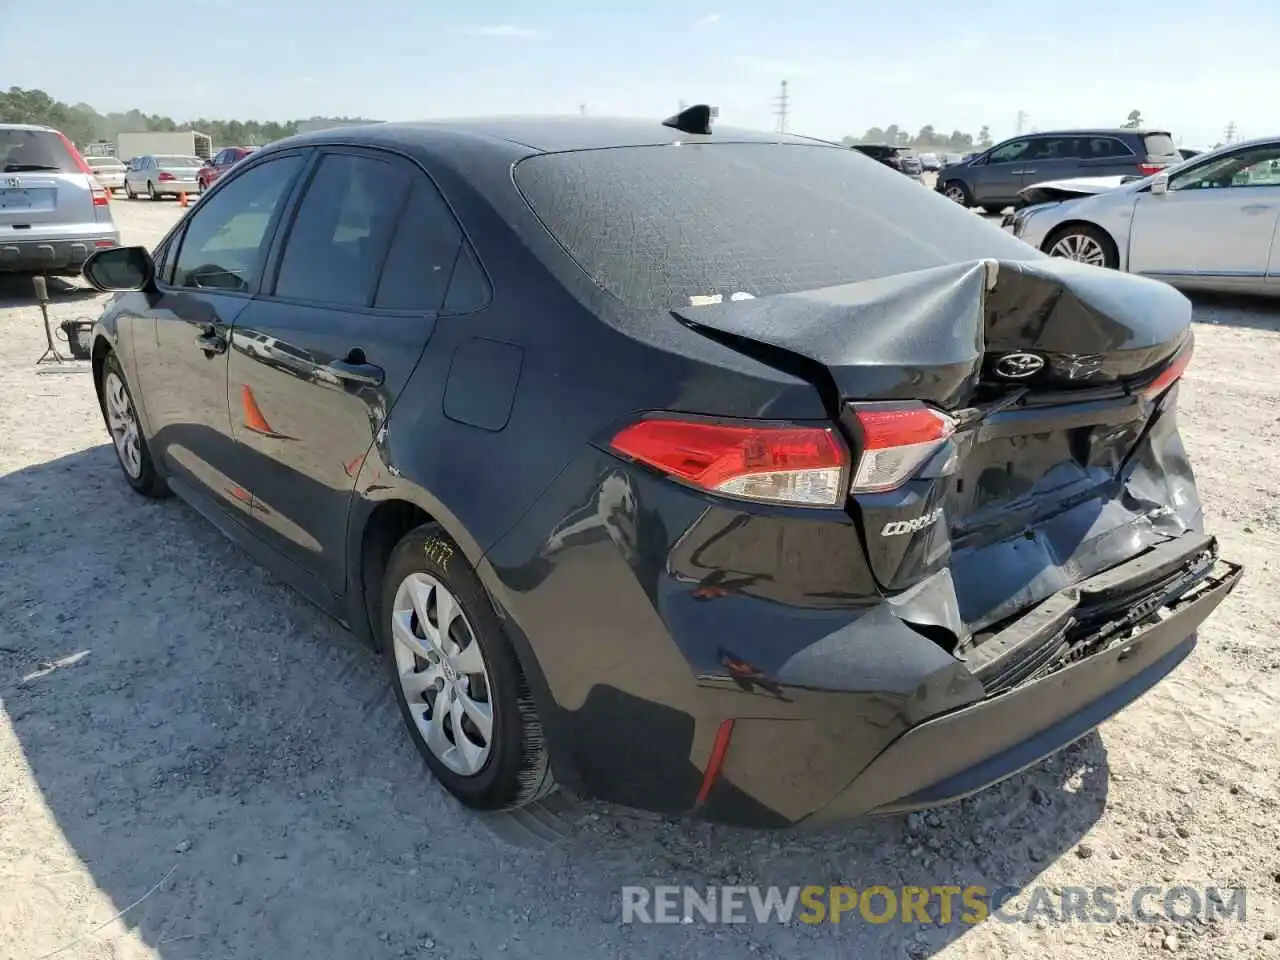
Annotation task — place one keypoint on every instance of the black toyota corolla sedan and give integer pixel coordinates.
(701, 470)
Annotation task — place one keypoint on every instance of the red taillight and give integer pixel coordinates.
(897, 438)
(166, 175)
(80, 162)
(101, 197)
(1169, 376)
(776, 464)
(1150, 169)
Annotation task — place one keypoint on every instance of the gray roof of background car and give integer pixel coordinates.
(1094, 132)
(541, 134)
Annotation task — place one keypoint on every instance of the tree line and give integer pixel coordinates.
(927, 138)
(83, 124)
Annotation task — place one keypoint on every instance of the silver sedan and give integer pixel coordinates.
(1210, 223)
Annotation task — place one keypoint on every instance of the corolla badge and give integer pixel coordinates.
(1018, 366)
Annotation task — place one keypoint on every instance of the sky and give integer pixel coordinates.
(1189, 67)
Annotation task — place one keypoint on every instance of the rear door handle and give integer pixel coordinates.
(361, 372)
(212, 342)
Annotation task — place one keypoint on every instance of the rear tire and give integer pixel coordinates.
(120, 414)
(1083, 243)
(151, 191)
(471, 665)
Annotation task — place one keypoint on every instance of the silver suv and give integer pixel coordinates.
(53, 210)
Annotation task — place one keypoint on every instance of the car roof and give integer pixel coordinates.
(1095, 132)
(541, 134)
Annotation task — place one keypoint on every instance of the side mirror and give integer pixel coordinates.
(120, 269)
(1160, 185)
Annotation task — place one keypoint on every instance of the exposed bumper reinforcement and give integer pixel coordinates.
(962, 752)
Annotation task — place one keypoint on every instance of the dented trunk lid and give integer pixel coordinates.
(1060, 465)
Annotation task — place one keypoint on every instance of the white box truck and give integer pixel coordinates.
(183, 143)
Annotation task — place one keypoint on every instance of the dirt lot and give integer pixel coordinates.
(179, 729)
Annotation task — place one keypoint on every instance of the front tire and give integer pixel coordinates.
(128, 192)
(456, 679)
(956, 191)
(1083, 243)
(120, 414)
(151, 191)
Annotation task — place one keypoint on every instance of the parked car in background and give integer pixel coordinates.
(53, 211)
(108, 171)
(992, 179)
(865, 506)
(222, 161)
(930, 161)
(1211, 223)
(948, 159)
(157, 176)
(899, 158)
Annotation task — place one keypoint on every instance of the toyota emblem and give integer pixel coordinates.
(1018, 366)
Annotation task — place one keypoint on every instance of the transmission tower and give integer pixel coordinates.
(1230, 132)
(781, 104)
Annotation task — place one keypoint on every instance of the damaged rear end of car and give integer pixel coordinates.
(901, 509)
(1020, 489)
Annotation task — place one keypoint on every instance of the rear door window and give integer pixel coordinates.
(339, 238)
(34, 151)
(423, 252)
(1104, 148)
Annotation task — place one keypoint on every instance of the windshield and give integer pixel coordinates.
(179, 162)
(32, 151)
(103, 162)
(706, 219)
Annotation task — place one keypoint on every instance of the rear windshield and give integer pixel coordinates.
(103, 162)
(1161, 145)
(179, 162)
(33, 151)
(655, 226)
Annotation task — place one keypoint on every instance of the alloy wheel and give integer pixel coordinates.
(955, 193)
(122, 421)
(442, 674)
(1081, 248)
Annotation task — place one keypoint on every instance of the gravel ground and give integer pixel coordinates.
(178, 728)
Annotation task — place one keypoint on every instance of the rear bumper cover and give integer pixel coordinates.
(960, 753)
(62, 254)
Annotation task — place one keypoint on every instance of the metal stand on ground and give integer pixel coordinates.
(51, 354)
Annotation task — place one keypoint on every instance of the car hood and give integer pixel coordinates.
(1051, 190)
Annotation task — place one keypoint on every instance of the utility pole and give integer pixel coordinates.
(1230, 132)
(1022, 119)
(781, 104)
(582, 109)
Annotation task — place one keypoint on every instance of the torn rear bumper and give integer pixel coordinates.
(961, 752)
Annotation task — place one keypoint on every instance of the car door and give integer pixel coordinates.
(1051, 158)
(215, 272)
(319, 360)
(1217, 220)
(997, 180)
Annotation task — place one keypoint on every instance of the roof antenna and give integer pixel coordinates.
(695, 119)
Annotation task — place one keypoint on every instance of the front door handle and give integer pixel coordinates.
(1256, 208)
(358, 371)
(211, 342)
